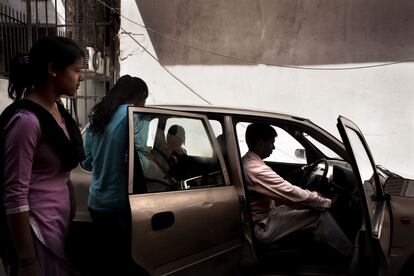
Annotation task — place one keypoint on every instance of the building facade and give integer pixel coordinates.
(92, 25)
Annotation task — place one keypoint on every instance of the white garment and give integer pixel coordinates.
(284, 220)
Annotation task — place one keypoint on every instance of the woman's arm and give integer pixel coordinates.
(22, 239)
(21, 235)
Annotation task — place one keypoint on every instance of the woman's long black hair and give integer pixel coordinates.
(29, 71)
(126, 90)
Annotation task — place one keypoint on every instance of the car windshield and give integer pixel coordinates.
(321, 147)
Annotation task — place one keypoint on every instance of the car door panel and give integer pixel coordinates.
(403, 222)
(377, 215)
(81, 180)
(203, 219)
(196, 225)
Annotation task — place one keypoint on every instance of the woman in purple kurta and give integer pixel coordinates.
(35, 182)
(40, 143)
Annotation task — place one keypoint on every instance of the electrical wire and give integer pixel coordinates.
(165, 68)
(250, 61)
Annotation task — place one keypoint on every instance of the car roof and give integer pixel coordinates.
(255, 113)
(228, 110)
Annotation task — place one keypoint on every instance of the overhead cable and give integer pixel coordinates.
(156, 59)
(250, 61)
(165, 68)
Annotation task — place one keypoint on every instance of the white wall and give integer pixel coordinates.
(379, 100)
(4, 98)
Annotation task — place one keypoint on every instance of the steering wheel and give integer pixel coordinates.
(312, 179)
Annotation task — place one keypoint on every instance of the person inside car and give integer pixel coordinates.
(167, 156)
(175, 141)
(279, 208)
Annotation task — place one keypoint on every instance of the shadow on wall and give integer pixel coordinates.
(291, 32)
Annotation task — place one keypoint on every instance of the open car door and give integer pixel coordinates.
(375, 235)
(185, 212)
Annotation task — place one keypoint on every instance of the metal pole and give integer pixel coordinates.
(66, 19)
(24, 29)
(29, 24)
(20, 33)
(37, 20)
(3, 46)
(47, 19)
(8, 35)
(56, 15)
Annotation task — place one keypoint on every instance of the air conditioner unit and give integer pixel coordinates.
(94, 62)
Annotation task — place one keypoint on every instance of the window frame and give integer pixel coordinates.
(273, 157)
(304, 126)
(149, 110)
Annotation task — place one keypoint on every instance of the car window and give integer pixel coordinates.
(324, 149)
(366, 171)
(216, 126)
(174, 153)
(287, 148)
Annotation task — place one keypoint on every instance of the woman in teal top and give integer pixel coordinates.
(106, 151)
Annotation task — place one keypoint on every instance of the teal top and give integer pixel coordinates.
(141, 128)
(106, 154)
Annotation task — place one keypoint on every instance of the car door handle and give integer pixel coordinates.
(405, 220)
(162, 220)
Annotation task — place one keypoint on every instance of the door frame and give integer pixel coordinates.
(226, 243)
(378, 226)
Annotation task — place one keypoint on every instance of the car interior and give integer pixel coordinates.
(168, 170)
(304, 164)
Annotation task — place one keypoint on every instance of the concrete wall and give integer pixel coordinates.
(319, 33)
(4, 98)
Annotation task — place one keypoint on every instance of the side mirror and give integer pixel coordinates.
(300, 153)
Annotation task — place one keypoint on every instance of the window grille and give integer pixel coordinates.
(88, 22)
